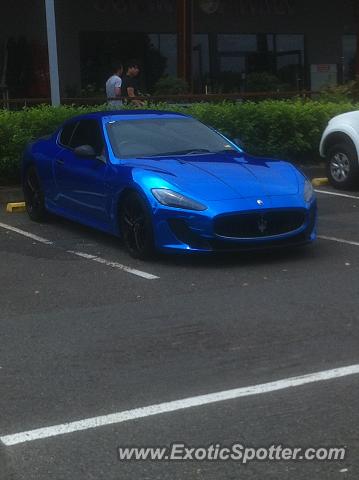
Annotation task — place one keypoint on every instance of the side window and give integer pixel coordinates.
(88, 132)
(66, 134)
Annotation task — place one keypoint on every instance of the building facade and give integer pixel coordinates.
(237, 45)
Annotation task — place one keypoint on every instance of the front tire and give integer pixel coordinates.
(136, 227)
(342, 166)
(34, 196)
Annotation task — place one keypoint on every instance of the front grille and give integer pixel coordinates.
(228, 246)
(258, 224)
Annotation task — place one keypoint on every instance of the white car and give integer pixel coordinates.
(340, 146)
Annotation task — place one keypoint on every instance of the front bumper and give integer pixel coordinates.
(184, 231)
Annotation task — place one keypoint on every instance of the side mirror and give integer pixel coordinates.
(85, 151)
(239, 143)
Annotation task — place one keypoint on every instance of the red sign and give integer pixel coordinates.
(324, 68)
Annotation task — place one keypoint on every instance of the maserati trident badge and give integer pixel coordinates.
(262, 224)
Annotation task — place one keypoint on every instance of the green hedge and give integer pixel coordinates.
(284, 129)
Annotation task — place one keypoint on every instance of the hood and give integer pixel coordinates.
(225, 176)
(347, 116)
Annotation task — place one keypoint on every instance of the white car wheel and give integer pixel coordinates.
(342, 166)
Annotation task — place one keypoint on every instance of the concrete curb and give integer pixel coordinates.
(11, 194)
(16, 207)
(313, 171)
(320, 182)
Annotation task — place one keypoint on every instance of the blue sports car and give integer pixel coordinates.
(165, 181)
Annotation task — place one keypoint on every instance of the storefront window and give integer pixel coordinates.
(237, 43)
(234, 50)
(290, 59)
(156, 54)
(200, 62)
(259, 62)
(349, 53)
(285, 43)
(166, 44)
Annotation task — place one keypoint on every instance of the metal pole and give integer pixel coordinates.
(52, 47)
(356, 17)
(184, 39)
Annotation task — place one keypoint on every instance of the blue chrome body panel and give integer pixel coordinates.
(89, 191)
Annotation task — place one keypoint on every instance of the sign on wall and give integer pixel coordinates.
(258, 7)
(209, 7)
(128, 7)
(323, 75)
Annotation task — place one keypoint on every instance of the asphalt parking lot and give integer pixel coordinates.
(88, 332)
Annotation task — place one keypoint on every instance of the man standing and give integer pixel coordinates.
(113, 87)
(130, 83)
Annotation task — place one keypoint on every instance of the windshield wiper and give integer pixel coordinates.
(230, 150)
(191, 151)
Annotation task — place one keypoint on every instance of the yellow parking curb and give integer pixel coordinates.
(320, 182)
(16, 207)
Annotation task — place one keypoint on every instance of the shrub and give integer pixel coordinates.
(289, 129)
(262, 82)
(337, 93)
(341, 93)
(282, 129)
(20, 127)
(170, 86)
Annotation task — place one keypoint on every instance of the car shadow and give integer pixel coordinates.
(195, 260)
(235, 259)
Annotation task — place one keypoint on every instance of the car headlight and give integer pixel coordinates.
(176, 200)
(308, 191)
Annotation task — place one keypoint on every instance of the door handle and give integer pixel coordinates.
(60, 161)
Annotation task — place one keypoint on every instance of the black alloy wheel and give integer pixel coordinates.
(136, 226)
(34, 196)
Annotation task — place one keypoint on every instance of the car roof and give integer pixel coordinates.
(125, 113)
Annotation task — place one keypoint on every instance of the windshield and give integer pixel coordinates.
(164, 136)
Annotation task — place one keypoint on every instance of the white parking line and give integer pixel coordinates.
(337, 194)
(139, 273)
(26, 234)
(339, 240)
(176, 405)
(94, 258)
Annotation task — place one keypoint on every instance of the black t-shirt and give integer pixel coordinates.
(129, 82)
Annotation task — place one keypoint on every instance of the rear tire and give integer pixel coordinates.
(34, 196)
(342, 166)
(136, 227)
